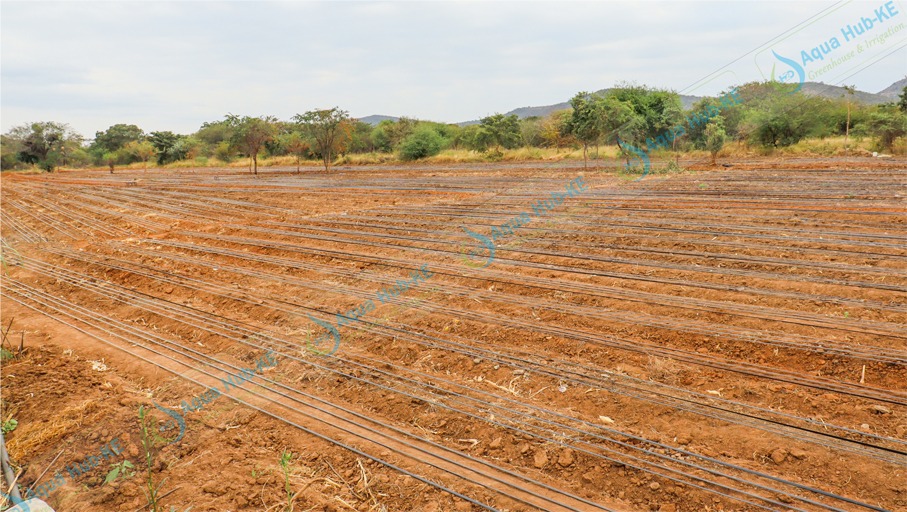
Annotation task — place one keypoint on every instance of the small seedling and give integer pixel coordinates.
(149, 434)
(122, 469)
(9, 425)
(285, 461)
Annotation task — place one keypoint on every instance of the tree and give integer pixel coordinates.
(422, 143)
(164, 143)
(329, 128)
(554, 129)
(45, 144)
(902, 100)
(585, 123)
(850, 90)
(715, 137)
(114, 138)
(250, 134)
(110, 159)
(498, 131)
(888, 123)
(296, 145)
(141, 150)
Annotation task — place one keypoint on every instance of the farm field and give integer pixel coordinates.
(712, 340)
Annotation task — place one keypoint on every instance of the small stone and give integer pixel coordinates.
(798, 453)
(566, 459)
(588, 478)
(524, 448)
(541, 459)
(496, 443)
(865, 426)
(519, 372)
(779, 455)
(879, 409)
(683, 439)
(654, 486)
(783, 498)
(477, 360)
(431, 506)
(668, 507)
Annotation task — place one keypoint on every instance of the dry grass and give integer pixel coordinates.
(29, 436)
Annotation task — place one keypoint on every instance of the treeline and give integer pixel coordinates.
(634, 118)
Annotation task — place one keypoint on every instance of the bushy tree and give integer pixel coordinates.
(658, 110)
(497, 131)
(715, 137)
(165, 143)
(115, 138)
(45, 144)
(422, 143)
(250, 134)
(388, 135)
(555, 132)
(329, 129)
(585, 123)
(142, 151)
(887, 124)
(295, 144)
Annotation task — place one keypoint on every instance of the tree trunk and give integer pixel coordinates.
(255, 163)
(585, 161)
(111, 168)
(297, 164)
(847, 127)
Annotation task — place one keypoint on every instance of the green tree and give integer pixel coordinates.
(715, 137)
(164, 143)
(329, 129)
(45, 144)
(498, 131)
(902, 100)
(143, 151)
(115, 137)
(887, 124)
(658, 110)
(296, 145)
(585, 123)
(422, 143)
(110, 159)
(250, 134)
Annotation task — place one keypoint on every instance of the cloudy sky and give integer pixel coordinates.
(172, 66)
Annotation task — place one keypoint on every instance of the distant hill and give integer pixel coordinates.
(375, 119)
(894, 90)
(834, 91)
(886, 95)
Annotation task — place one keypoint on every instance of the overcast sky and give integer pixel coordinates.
(172, 66)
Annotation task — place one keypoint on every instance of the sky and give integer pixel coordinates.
(173, 66)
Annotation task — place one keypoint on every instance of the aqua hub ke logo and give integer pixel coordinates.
(795, 71)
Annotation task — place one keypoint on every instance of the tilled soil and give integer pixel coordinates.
(717, 339)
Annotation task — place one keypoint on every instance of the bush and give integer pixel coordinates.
(422, 143)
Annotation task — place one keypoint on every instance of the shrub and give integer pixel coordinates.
(422, 143)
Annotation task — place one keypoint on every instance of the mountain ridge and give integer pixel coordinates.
(886, 95)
